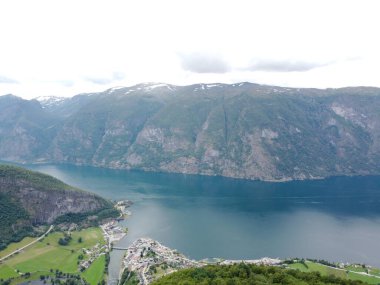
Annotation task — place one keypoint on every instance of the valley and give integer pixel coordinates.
(136, 136)
(189, 142)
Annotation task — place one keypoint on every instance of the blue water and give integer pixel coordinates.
(337, 219)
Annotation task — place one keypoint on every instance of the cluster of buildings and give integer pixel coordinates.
(122, 207)
(92, 254)
(112, 232)
(150, 260)
(262, 261)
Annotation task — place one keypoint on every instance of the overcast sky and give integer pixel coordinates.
(67, 47)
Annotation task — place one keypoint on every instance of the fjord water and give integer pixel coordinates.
(337, 219)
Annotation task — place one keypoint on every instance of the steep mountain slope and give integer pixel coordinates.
(25, 129)
(241, 130)
(30, 198)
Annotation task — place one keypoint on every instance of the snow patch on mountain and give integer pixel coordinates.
(113, 89)
(50, 101)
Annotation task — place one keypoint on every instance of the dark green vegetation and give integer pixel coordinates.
(129, 278)
(79, 217)
(65, 240)
(29, 199)
(12, 216)
(248, 274)
(242, 130)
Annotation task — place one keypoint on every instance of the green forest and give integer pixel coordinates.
(245, 274)
(14, 221)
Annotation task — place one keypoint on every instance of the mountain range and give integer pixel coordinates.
(241, 130)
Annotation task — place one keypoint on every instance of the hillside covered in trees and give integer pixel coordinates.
(245, 274)
(29, 199)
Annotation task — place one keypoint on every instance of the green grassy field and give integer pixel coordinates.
(375, 271)
(325, 270)
(94, 274)
(7, 272)
(372, 271)
(364, 278)
(33, 276)
(16, 245)
(47, 255)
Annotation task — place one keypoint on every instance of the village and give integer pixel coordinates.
(150, 260)
(112, 233)
(262, 261)
(111, 230)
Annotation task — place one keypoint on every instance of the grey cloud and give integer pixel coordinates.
(106, 80)
(4, 79)
(204, 63)
(284, 65)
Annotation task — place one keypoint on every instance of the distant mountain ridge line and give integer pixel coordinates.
(241, 130)
(195, 85)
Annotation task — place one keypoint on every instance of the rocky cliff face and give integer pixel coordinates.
(30, 199)
(242, 130)
(45, 206)
(45, 198)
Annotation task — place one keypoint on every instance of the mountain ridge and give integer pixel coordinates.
(241, 130)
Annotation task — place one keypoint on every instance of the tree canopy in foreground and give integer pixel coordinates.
(248, 274)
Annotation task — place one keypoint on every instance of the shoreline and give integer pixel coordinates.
(147, 260)
(112, 232)
(253, 179)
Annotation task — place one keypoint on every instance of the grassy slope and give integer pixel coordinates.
(48, 254)
(7, 272)
(15, 245)
(325, 270)
(315, 267)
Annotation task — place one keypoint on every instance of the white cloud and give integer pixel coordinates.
(271, 65)
(7, 80)
(106, 79)
(201, 62)
(68, 47)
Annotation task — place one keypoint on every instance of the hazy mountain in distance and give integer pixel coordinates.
(241, 130)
